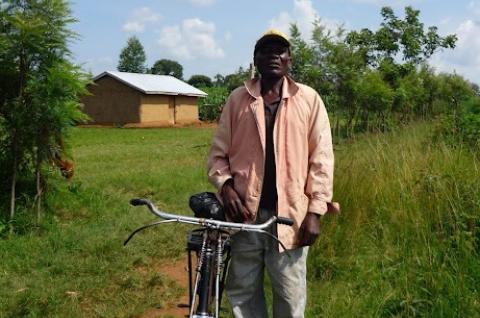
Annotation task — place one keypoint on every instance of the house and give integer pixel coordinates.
(141, 100)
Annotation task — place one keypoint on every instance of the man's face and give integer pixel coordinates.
(272, 59)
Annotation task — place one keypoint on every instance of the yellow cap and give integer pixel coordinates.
(272, 34)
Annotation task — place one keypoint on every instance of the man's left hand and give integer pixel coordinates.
(309, 230)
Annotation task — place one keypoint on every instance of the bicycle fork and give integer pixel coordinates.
(210, 259)
(203, 281)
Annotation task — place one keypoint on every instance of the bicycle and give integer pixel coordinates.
(211, 243)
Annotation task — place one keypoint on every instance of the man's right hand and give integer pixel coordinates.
(233, 204)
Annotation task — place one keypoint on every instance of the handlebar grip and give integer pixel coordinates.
(136, 202)
(286, 221)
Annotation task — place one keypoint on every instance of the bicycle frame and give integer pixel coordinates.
(215, 236)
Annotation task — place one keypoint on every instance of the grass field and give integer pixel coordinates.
(405, 245)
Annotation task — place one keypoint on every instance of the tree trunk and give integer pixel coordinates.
(350, 122)
(39, 194)
(367, 121)
(14, 181)
(15, 142)
(13, 188)
(337, 126)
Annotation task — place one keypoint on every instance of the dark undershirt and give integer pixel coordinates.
(268, 199)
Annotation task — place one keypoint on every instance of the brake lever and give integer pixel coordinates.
(146, 227)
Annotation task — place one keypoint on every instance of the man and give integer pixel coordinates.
(272, 155)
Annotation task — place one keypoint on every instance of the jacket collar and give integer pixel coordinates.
(289, 87)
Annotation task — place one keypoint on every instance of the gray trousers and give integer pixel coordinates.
(252, 253)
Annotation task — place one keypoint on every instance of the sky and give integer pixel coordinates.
(217, 36)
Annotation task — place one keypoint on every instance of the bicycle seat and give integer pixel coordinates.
(206, 205)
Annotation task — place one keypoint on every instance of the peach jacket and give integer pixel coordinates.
(302, 145)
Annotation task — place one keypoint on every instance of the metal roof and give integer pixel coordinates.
(154, 84)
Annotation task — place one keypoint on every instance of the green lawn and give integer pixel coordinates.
(405, 245)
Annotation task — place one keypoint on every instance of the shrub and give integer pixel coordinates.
(200, 81)
(462, 126)
(210, 107)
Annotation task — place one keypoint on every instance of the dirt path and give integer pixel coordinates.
(177, 271)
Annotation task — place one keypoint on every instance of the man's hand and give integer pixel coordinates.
(309, 230)
(233, 204)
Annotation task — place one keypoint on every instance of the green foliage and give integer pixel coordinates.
(469, 123)
(375, 98)
(210, 107)
(40, 100)
(409, 97)
(460, 124)
(234, 80)
(167, 67)
(218, 80)
(407, 241)
(304, 67)
(406, 36)
(455, 89)
(132, 57)
(462, 127)
(431, 86)
(200, 81)
(340, 67)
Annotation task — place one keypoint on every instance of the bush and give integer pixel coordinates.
(39, 101)
(469, 122)
(463, 126)
(210, 107)
(200, 81)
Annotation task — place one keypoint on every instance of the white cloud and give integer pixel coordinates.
(464, 59)
(139, 18)
(474, 7)
(133, 26)
(304, 15)
(202, 3)
(282, 22)
(193, 38)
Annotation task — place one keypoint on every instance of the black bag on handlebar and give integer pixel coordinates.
(206, 205)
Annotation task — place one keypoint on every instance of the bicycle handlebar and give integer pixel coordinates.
(211, 222)
(139, 201)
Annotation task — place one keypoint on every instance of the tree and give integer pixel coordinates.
(455, 90)
(341, 65)
(200, 81)
(40, 102)
(304, 67)
(409, 37)
(234, 80)
(397, 50)
(132, 57)
(364, 43)
(219, 80)
(167, 67)
(431, 85)
(374, 98)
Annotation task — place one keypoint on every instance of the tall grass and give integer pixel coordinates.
(405, 245)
